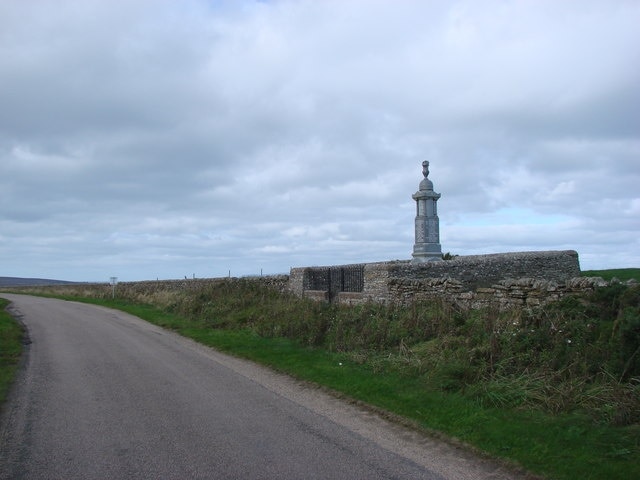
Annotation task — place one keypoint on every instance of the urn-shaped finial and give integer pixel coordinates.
(426, 184)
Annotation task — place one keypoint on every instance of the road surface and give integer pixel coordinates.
(105, 395)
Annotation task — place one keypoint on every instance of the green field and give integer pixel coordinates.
(556, 391)
(622, 274)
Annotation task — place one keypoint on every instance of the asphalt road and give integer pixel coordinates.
(105, 395)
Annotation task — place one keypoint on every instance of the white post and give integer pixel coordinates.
(114, 282)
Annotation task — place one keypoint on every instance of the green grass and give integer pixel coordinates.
(622, 274)
(556, 390)
(565, 446)
(11, 335)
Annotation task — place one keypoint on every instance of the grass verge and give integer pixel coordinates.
(11, 335)
(562, 446)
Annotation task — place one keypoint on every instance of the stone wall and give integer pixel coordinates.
(278, 282)
(504, 280)
(476, 271)
(152, 287)
(503, 295)
(296, 281)
(510, 280)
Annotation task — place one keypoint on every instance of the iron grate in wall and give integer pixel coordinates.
(348, 278)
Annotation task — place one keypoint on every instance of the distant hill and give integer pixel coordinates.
(29, 282)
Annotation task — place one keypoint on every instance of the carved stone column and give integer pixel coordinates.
(427, 247)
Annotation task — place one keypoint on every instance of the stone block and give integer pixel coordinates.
(351, 298)
(318, 295)
(485, 290)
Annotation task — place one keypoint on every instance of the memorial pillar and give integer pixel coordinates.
(427, 247)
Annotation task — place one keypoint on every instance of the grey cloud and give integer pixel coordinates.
(163, 138)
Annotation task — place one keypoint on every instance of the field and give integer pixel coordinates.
(622, 274)
(556, 390)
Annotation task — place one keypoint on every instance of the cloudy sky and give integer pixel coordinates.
(160, 139)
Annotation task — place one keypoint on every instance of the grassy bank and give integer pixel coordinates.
(557, 390)
(10, 349)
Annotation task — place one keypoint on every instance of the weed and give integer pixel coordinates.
(11, 336)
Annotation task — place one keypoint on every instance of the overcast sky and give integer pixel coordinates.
(163, 139)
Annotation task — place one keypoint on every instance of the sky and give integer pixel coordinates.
(149, 139)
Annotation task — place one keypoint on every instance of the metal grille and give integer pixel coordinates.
(352, 278)
(335, 279)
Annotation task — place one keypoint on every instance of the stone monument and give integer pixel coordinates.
(427, 247)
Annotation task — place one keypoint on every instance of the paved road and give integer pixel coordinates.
(104, 395)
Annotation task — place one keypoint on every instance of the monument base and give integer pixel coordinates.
(425, 258)
(427, 252)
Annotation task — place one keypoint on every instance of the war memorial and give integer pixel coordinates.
(427, 247)
(498, 280)
(505, 279)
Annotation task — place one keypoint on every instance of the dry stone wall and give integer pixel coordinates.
(278, 282)
(503, 295)
(151, 288)
(477, 271)
(519, 279)
(510, 280)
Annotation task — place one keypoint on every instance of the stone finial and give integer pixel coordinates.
(426, 184)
